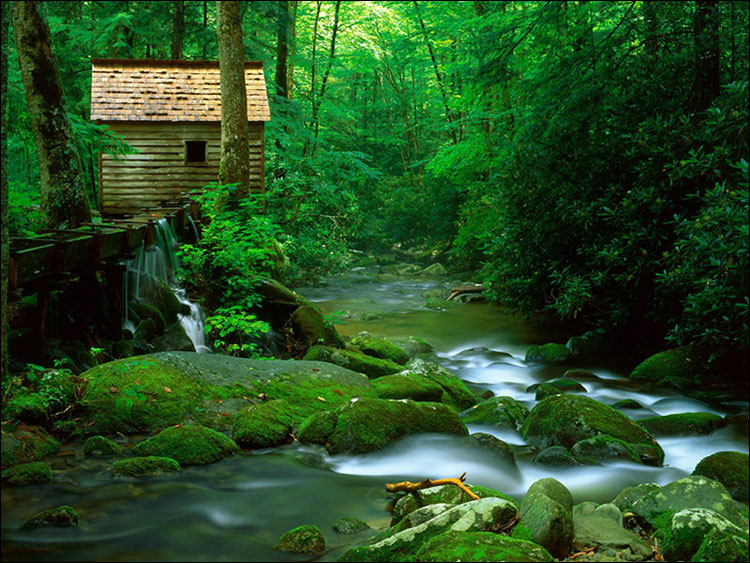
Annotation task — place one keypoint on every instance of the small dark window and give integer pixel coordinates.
(195, 151)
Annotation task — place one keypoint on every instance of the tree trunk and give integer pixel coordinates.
(178, 28)
(4, 251)
(63, 194)
(706, 41)
(292, 48)
(331, 55)
(282, 49)
(235, 154)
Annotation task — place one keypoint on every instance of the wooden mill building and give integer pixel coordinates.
(170, 113)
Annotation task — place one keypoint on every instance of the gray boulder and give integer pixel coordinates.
(546, 517)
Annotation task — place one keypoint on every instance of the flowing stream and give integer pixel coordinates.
(235, 510)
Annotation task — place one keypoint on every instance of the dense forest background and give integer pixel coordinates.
(587, 160)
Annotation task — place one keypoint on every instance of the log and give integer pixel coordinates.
(461, 289)
(409, 487)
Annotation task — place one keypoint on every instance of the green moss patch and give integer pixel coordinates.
(455, 392)
(379, 347)
(682, 424)
(59, 516)
(263, 426)
(303, 539)
(101, 445)
(355, 361)
(676, 363)
(548, 353)
(728, 468)
(503, 411)
(189, 445)
(27, 474)
(480, 546)
(22, 443)
(316, 428)
(146, 466)
(407, 386)
(350, 526)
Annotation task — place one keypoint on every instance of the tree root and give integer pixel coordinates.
(409, 487)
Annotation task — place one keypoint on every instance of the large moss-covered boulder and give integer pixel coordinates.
(22, 444)
(189, 445)
(55, 391)
(501, 451)
(504, 412)
(548, 353)
(555, 386)
(720, 545)
(658, 506)
(564, 420)
(728, 468)
(310, 328)
(604, 447)
(601, 527)
(355, 361)
(366, 425)
(316, 428)
(146, 311)
(407, 386)
(27, 474)
(628, 496)
(480, 546)
(688, 528)
(303, 539)
(379, 347)
(679, 363)
(147, 466)
(263, 426)
(455, 392)
(556, 456)
(682, 424)
(546, 517)
(60, 516)
(101, 445)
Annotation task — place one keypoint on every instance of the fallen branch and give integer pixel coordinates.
(583, 552)
(409, 487)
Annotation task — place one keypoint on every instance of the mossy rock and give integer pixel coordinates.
(263, 426)
(350, 526)
(316, 428)
(556, 456)
(564, 420)
(146, 466)
(146, 311)
(163, 298)
(682, 424)
(503, 412)
(499, 449)
(379, 347)
(367, 425)
(123, 349)
(436, 269)
(23, 444)
(721, 545)
(407, 386)
(189, 445)
(603, 448)
(728, 468)
(310, 328)
(628, 496)
(414, 346)
(480, 546)
(175, 338)
(455, 392)
(440, 304)
(548, 353)
(555, 386)
(101, 445)
(689, 527)
(627, 404)
(54, 392)
(27, 474)
(591, 343)
(303, 539)
(681, 362)
(355, 361)
(547, 518)
(60, 516)
(601, 527)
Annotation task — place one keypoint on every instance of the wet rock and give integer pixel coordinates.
(401, 269)
(497, 447)
(436, 269)
(689, 527)
(504, 412)
(61, 516)
(564, 420)
(123, 349)
(627, 404)
(548, 353)
(414, 345)
(721, 545)
(728, 468)
(366, 425)
(22, 444)
(556, 455)
(555, 386)
(303, 539)
(310, 328)
(189, 445)
(101, 445)
(350, 526)
(440, 304)
(146, 331)
(676, 363)
(546, 517)
(408, 386)
(455, 392)
(682, 424)
(163, 298)
(316, 428)
(603, 448)
(145, 311)
(146, 466)
(27, 474)
(480, 546)
(627, 497)
(263, 426)
(174, 339)
(379, 347)
(591, 343)
(602, 527)
(355, 361)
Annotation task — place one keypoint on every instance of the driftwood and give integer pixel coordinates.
(461, 289)
(409, 487)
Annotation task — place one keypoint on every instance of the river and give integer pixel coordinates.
(235, 510)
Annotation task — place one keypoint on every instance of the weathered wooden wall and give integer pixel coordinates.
(158, 172)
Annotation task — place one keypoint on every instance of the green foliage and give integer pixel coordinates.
(233, 330)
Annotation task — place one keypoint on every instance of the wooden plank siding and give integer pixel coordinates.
(158, 172)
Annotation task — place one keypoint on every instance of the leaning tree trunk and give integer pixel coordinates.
(5, 255)
(235, 152)
(63, 191)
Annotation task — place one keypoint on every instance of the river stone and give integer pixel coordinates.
(145, 393)
(682, 424)
(728, 468)
(658, 506)
(263, 426)
(379, 347)
(310, 328)
(352, 360)
(366, 425)
(350, 526)
(555, 455)
(593, 342)
(480, 546)
(27, 474)
(564, 420)
(627, 497)
(548, 353)
(316, 428)
(303, 539)
(604, 447)
(174, 339)
(146, 466)
(408, 386)
(455, 393)
(436, 269)
(189, 445)
(60, 516)
(499, 449)
(414, 345)
(554, 386)
(602, 527)
(101, 445)
(503, 412)
(546, 517)
(680, 362)
(689, 527)
(403, 544)
(23, 444)
(720, 545)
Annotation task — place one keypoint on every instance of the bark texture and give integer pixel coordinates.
(178, 29)
(5, 257)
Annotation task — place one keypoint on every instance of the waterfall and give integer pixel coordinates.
(157, 264)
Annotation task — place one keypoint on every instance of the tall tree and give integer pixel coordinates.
(63, 194)
(706, 45)
(292, 49)
(282, 49)
(5, 255)
(178, 28)
(235, 152)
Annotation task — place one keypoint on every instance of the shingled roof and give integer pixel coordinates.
(151, 90)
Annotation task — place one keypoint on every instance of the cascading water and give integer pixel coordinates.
(158, 264)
